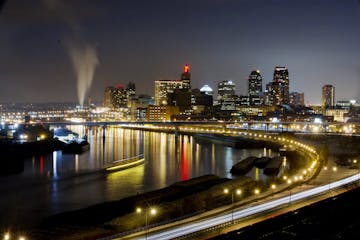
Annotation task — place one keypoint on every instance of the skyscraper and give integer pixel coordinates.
(226, 95)
(280, 86)
(255, 92)
(115, 97)
(328, 96)
(163, 88)
(255, 83)
(130, 89)
(225, 89)
(186, 77)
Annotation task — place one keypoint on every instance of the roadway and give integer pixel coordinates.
(223, 220)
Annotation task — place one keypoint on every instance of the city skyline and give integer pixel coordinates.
(141, 42)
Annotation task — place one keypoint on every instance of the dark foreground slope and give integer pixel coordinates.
(335, 218)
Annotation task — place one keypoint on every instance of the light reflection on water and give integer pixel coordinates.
(60, 182)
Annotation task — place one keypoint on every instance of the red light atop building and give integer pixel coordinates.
(186, 68)
(120, 86)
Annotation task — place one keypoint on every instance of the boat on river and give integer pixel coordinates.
(125, 163)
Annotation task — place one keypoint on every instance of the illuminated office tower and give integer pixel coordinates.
(115, 97)
(165, 87)
(186, 77)
(226, 89)
(280, 86)
(255, 92)
(226, 95)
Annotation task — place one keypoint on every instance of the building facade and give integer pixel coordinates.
(255, 91)
(328, 96)
(186, 77)
(226, 95)
(297, 98)
(161, 113)
(115, 97)
(164, 88)
(280, 86)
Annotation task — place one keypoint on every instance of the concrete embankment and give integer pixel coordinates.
(237, 141)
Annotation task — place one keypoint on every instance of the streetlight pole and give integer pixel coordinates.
(289, 182)
(151, 211)
(355, 163)
(238, 192)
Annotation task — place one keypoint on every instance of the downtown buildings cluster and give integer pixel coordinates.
(175, 100)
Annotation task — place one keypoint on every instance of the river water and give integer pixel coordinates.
(60, 182)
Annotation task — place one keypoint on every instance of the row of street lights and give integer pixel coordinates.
(238, 192)
(7, 236)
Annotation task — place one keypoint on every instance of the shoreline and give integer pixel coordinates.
(101, 228)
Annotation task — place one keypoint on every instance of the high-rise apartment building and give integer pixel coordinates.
(328, 96)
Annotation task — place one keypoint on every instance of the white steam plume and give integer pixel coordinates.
(84, 60)
(83, 55)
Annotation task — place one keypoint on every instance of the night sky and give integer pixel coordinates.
(141, 41)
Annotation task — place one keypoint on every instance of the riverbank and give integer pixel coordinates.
(179, 200)
(13, 153)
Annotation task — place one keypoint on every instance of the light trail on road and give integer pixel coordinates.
(179, 231)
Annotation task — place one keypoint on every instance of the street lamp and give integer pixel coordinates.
(151, 211)
(334, 169)
(355, 163)
(7, 236)
(238, 192)
(273, 187)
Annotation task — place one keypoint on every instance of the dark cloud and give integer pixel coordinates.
(26, 12)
